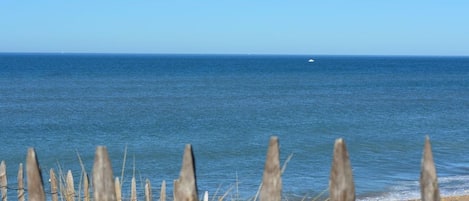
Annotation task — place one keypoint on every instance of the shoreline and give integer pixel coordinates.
(451, 198)
(456, 198)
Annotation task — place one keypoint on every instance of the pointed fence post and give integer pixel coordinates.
(185, 187)
(20, 183)
(341, 186)
(86, 187)
(117, 185)
(53, 186)
(148, 194)
(271, 189)
(163, 191)
(34, 177)
(428, 179)
(133, 189)
(103, 180)
(3, 181)
(70, 189)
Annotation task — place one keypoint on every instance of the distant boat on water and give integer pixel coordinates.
(310, 60)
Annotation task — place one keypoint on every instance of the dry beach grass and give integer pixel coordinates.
(341, 180)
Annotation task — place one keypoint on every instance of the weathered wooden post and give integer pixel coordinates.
(103, 179)
(33, 172)
(185, 187)
(53, 186)
(428, 178)
(133, 189)
(3, 181)
(20, 183)
(163, 191)
(117, 185)
(271, 189)
(148, 194)
(86, 187)
(341, 186)
(70, 188)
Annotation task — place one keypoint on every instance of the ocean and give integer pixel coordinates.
(227, 107)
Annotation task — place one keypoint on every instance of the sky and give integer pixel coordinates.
(311, 27)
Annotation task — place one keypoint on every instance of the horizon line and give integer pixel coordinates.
(233, 54)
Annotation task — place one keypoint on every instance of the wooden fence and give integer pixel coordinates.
(107, 188)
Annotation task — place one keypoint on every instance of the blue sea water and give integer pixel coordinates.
(227, 107)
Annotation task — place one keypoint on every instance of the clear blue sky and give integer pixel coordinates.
(370, 27)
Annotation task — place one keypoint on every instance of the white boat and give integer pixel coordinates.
(311, 60)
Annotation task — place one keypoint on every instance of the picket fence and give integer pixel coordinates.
(105, 187)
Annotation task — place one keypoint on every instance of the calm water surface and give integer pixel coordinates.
(227, 107)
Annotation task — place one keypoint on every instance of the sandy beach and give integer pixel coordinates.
(457, 198)
(452, 198)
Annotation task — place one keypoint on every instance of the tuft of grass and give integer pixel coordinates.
(123, 165)
(320, 194)
(231, 194)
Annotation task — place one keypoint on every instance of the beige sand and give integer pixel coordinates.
(453, 198)
(457, 198)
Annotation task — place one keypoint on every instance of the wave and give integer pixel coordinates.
(408, 190)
